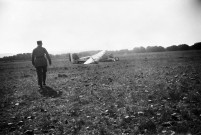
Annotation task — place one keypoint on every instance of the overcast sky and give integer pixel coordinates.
(79, 25)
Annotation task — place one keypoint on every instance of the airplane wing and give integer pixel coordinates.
(95, 58)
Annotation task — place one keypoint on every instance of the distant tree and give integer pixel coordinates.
(155, 49)
(21, 56)
(123, 52)
(139, 50)
(183, 47)
(149, 49)
(196, 46)
(161, 49)
(172, 48)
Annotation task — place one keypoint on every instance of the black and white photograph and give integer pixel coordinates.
(100, 67)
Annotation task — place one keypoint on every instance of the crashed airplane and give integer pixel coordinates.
(99, 57)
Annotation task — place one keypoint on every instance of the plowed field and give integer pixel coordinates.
(149, 93)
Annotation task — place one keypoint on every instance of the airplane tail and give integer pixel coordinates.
(73, 57)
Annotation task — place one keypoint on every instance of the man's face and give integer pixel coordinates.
(40, 44)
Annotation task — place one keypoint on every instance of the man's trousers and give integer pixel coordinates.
(41, 73)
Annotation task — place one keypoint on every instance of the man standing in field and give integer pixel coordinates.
(39, 61)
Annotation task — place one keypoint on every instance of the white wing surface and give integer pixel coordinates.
(95, 58)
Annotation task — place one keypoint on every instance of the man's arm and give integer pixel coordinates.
(33, 57)
(48, 56)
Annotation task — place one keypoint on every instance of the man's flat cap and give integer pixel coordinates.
(39, 42)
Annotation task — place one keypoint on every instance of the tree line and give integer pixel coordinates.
(181, 47)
